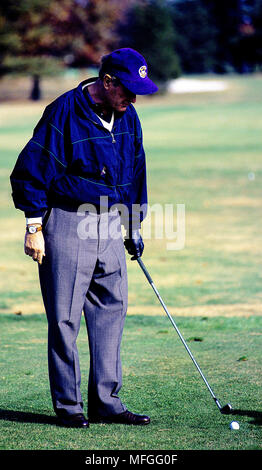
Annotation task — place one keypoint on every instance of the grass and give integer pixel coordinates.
(161, 382)
(204, 151)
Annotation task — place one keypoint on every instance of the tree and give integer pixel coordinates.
(226, 15)
(148, 29)
(40, 37)
(85, 29)
(24, 41)
(255, 33)
(239, 38)
(196, 33)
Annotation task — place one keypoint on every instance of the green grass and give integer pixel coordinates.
(159, 379)
(201, 150)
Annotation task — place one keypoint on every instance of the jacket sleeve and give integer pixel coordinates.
(41, 160)
(139, 186)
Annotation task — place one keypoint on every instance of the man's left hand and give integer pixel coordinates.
(134, 244)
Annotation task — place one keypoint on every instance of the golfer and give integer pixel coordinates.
(80, 178)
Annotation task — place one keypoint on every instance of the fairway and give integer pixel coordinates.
(204, 151)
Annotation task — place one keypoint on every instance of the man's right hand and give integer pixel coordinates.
(35, 246)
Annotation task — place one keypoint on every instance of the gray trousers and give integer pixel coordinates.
(84, 270)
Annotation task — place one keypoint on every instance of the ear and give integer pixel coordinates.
(107, 80)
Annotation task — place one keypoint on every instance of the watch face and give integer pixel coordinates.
(32, 229)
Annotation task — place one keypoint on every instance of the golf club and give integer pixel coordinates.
(227, 409)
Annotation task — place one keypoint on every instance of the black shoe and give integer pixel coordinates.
(74, 421)
(127, 417)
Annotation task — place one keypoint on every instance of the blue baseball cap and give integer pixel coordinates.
(131, 70)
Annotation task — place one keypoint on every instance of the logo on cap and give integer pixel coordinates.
(143, 71)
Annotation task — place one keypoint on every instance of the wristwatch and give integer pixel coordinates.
(33, 228)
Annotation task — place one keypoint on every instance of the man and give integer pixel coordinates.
(87, 148)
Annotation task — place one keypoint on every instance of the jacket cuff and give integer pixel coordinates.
(34, 214)
(34, 220)
(130, 226)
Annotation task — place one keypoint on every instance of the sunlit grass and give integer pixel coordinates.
(203, 151)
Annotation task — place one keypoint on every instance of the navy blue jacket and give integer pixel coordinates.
(72, 159)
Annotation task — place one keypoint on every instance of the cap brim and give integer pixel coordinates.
(144, 86)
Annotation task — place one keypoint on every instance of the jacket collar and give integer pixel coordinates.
(87, 104)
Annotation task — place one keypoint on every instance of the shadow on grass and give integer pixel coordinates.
(257, 415)
(27, 417)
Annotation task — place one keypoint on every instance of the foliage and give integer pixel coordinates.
(85, 30)
(195, 40)
(256, 16)
(74, 32)
(24, 35)
(42, 37)
(148, 28)
(219, 36)
(39, 37)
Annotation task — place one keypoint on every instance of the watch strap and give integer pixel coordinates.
(38, 229)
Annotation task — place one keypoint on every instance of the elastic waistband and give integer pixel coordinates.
(84, 207)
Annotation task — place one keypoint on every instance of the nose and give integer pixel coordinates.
(131, 97)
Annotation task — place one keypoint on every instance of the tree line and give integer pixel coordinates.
(43, 37)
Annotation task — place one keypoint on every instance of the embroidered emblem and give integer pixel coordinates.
(103, 172)
(143, 71)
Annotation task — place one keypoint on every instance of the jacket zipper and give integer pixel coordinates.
(113, 142)
(102, 127)
(113, 138)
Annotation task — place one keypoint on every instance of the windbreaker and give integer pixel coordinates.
(72, 159)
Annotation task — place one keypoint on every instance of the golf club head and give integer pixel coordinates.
(227, 409)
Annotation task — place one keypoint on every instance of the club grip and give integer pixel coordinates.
(142, 266)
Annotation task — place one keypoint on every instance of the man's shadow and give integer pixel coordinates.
(256, 415)
(27, 417)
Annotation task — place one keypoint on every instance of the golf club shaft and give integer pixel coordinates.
(141, 264)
